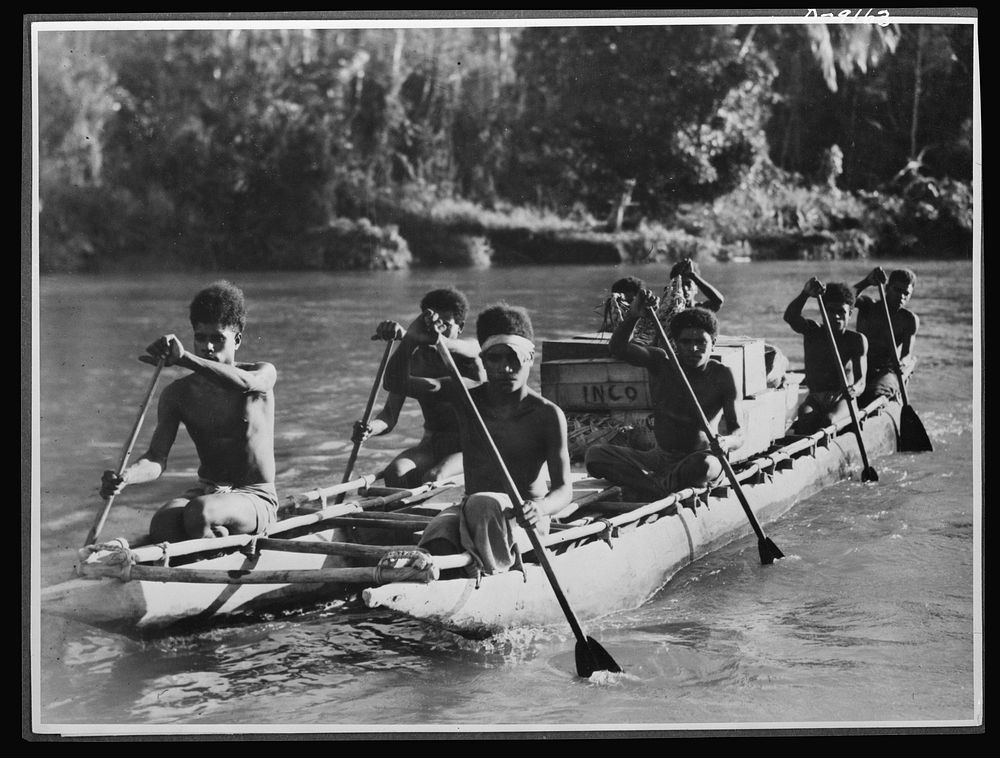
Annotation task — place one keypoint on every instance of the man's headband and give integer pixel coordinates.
(523, 348)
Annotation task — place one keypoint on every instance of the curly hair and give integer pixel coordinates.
(904, 276)
(447, 299)
(838, 293)
(220, 303)
(694, 318)
(628, 285)
(503, 318)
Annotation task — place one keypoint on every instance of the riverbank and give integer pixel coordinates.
(411, 228)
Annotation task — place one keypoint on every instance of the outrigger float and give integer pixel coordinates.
(609, 554)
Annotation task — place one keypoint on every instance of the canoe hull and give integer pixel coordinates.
(598, 578)
(141, 605)
(601, 578)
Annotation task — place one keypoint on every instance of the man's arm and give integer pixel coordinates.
(153, 462)
(793, 313)
(859, 366)
(560, 492)
(875, 277)
(907, 340)
(383, 423)
(732, 412)
(713, 298)
(399, 377)
(621, 345)
(467, 349)
(247, 377)
(471, 368)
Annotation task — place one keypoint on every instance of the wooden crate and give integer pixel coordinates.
(754, 370)
(776, 402)
(595, 384)
(758, 426)
(575, 348)
(731, 356)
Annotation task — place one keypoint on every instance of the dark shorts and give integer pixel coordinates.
(881, 383)
(263, 498)
(657, 469)
(824, 401)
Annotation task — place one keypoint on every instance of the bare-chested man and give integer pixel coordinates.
(228, 410)
(827, 401)
(882, 353)
(528, 430)
(438, 454)
(682, 456)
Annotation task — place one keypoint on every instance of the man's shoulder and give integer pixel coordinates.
(535, 400)
(718, 372)
(181, 392)
(854, 337)
(909, 318)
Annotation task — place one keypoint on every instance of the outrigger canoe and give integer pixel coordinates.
(609, 555)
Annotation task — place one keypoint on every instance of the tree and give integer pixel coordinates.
(679, 109)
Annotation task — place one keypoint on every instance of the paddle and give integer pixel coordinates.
(590, 656)
(765, 546)
(98, 524)
(912, 435)
(366, 417)
(867, 473)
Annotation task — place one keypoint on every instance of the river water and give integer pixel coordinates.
(873, 620)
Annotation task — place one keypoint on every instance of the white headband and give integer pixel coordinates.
(523, 348)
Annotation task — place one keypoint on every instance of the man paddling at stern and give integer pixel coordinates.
(528, 430)
(438, 454)
(882, 352)
(228, 410)
(682, 456)
(827, 401)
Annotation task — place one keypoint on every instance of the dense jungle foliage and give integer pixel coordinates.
(347, 148)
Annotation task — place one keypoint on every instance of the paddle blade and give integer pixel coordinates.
(769, 552)
(869, 475)
(912, 435)
(591, 657)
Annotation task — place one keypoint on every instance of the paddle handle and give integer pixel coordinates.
(851, 404)
(515, 496)
(713, 439)
(367, 415)
(98, 524)
(892, 336)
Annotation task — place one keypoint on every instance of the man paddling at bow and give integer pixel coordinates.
(828, 402)
(228, 410)
(682, 456)
(882, 351)
(438, 454)
(529, 432)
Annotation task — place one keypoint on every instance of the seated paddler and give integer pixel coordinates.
(529, 432)
(682, 456)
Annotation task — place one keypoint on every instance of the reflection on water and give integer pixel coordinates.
(869, 617)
